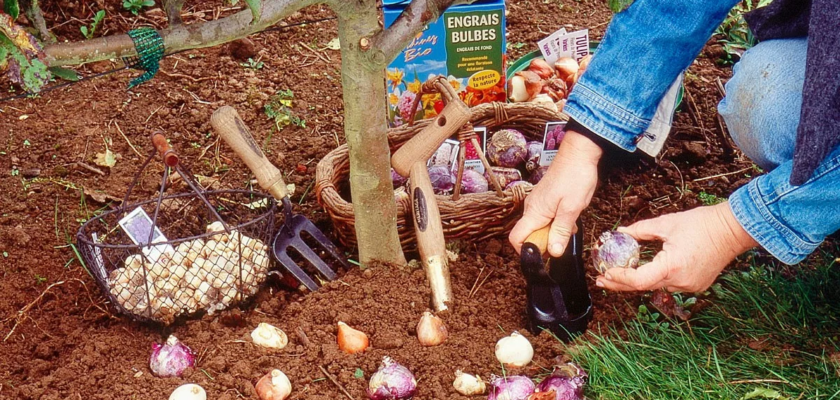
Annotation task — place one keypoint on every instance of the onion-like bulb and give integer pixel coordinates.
(514, 350)
(274, 385)
(468, 385)
(266, 335)
(430, 330)
(351, 341)
(565, 67)
(189, 391)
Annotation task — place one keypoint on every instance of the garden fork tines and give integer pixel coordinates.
(232, 129)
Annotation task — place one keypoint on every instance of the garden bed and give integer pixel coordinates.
(65, 345)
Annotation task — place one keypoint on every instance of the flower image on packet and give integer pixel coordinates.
(554, 133)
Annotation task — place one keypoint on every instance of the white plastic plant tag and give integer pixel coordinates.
(660, 126)
(447, 154)
(100, 262)
(554, 133)
(443, 155)
(137, 225)
(561, 44)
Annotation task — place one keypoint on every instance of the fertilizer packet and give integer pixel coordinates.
(447, 154)
(562, 44)
(137, 225)
(554, 133)
(466, 44)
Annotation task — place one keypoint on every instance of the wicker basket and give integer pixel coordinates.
(475, 216)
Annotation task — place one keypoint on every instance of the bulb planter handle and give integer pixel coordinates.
(429, 230)
(557, 291)
(450, 120)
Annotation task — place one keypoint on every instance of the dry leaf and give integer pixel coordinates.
(334, 44)
(106, 159)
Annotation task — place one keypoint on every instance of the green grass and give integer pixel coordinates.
(736, 36)
(792, 323)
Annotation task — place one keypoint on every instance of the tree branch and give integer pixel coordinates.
(175, 38)
(390, 42)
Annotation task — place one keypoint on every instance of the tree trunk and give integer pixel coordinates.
(366, 132)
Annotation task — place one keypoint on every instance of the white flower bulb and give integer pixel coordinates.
(514, 350)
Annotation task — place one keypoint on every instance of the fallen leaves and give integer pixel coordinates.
(106, 159)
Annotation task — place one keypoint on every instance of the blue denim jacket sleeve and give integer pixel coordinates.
(644, 49)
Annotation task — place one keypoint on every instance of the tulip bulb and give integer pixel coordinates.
(468, 385)
(524, 86)
(566, 67)
(541, 68)
(274, 385)
(514, 350)
(431, 330)
(190, 391)
(545, 101)
(351, 341)
(269, 336)
(584, 62)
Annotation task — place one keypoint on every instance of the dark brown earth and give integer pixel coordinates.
(62, 343)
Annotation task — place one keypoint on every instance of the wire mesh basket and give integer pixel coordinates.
(180, 255)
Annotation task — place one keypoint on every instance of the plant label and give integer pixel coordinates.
(554, 133)
(447, 154)
(138, 226)
(562, 44)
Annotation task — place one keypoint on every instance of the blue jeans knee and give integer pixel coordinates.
(764, 98)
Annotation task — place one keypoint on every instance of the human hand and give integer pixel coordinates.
(697, 246)
(564, 191)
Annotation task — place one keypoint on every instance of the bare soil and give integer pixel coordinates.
(61, 341)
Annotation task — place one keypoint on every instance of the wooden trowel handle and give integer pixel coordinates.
(539, 238)
(428, 140)
(429, 231)
(232, 129)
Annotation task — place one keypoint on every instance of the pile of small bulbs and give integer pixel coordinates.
(198, 275)
(545, 84)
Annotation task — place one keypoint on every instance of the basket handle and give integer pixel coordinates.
(170, 158)
(229, 125)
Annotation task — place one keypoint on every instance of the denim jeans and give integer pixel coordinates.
(648, 45)
(761, 110)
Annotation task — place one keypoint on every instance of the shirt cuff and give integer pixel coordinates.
(751, 211)
(599, 115)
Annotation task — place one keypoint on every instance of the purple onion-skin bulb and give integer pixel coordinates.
(442, 179)
(537, 175)
(473, 182)
(513, 184)
(507, 148)
(532, 161)
(391, 381)
(515, 387)
(567, 382)
(615, 250)
(504, 175)
(397, 179)
(171, 358)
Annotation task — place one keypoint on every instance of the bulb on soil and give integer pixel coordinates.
(274, 385)
(514, 350)
(351, 341)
